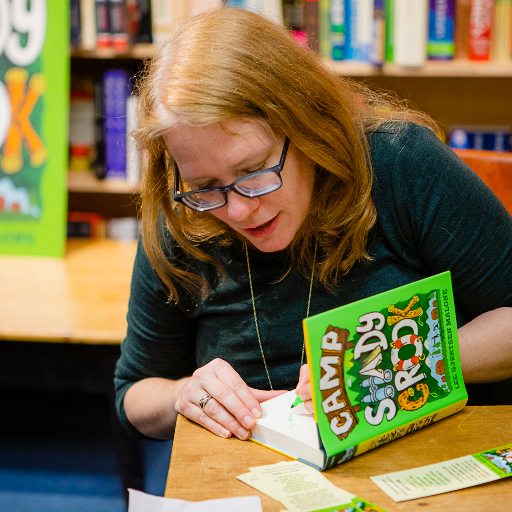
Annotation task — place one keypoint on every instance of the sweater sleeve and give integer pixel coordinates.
(160, 340)
(446, 218)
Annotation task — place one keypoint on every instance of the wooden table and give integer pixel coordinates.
(61, 325)
(82, 298)
(204, 466)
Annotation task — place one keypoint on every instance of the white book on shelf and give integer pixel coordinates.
(411, 26)
(132, 155)
(164, 13)
(88, 25)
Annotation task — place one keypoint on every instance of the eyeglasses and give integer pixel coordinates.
(256, 184)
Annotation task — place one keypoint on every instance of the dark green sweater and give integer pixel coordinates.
(433, 214)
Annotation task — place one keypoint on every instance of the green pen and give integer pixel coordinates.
(296, 402)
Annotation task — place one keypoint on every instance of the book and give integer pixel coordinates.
(311, 23)
(441, 34)
(358, 30)
(410, 32)
(380, 368)
(377, 53)
(88, 25)
(74, 24)
(502, 37)
(116, 91)
(338, 29)
(462, 12)
(119, 38)
(480, 29)
(103, 36)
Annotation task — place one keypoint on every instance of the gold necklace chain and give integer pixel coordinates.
(256, 318)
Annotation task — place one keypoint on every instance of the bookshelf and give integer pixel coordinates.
(456, 92)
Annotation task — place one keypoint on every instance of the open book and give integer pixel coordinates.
(380, 368)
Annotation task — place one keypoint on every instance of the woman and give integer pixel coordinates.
(273, 190)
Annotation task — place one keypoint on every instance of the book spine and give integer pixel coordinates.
(88, 25)
(118, 29)
(99, 130)
(102, 24)
(115, 96)
(502, 30)
(311, 23)
(145, 29)
(338, 29)
(462, 13)
(389, 45)
(161, 18)
(324, 29)
(411, 21)
(480, 30)
(441, 33)
(74, 24)
(359, 23)
(379, 33)
(132, 155)
(132, 23)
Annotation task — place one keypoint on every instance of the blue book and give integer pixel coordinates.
(116, 91)
(338, 27)
(441, 35)
(359, 29)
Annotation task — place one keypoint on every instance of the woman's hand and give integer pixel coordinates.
(230, 406)
(303, 388)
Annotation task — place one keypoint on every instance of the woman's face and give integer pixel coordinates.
(216, 155)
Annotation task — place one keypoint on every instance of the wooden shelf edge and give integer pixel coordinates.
(448, 68)
(83, 181)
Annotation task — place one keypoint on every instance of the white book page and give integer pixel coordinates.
(277, 416)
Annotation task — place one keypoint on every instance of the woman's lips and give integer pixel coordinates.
(264, 229)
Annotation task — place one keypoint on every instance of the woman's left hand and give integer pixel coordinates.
(303, 388)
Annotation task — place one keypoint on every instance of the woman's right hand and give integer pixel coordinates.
(233, 406)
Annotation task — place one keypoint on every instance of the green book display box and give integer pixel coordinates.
(34, 99)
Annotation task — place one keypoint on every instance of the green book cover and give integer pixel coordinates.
(324, 29)
(384, 366)
(34, 97)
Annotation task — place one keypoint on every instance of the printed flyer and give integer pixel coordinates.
(34, 98)
(452, 475)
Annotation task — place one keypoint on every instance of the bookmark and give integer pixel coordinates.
(452, 475)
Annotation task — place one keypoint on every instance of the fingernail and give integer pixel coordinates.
(256, 412)
(243, 433)
(248, 421)
(224, 432)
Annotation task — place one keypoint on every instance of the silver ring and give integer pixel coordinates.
(204, 400)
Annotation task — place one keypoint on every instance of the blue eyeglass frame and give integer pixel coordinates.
(277, 169)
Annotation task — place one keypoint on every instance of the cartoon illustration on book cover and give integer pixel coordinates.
(406, 369)
(501, 458)
(22, 87)
(383, 364)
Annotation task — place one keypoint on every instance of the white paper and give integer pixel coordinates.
(142, 502)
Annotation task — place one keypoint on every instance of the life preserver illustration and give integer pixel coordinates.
(406, 364)
(413, 405)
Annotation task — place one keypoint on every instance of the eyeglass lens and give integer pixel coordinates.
(251, 186)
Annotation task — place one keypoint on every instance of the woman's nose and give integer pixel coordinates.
(239, 207)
